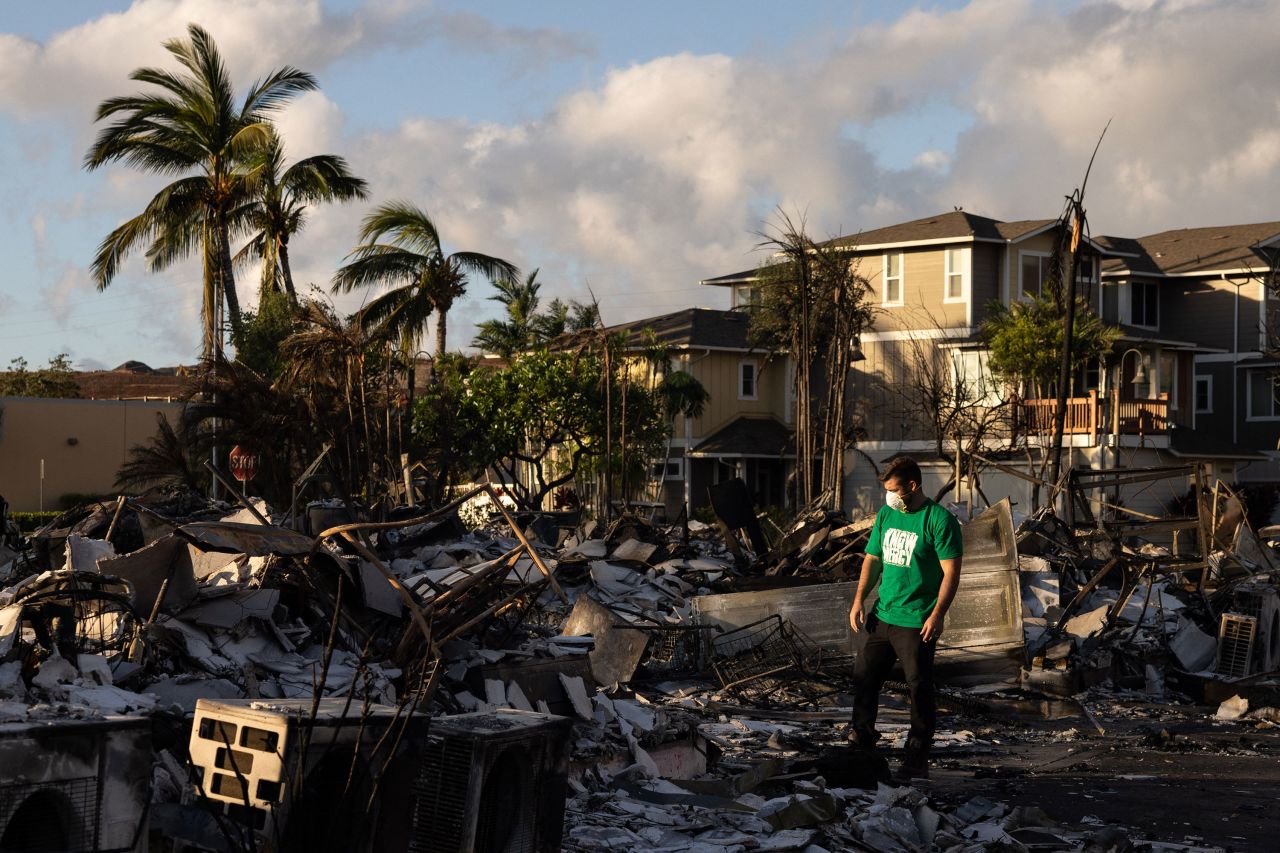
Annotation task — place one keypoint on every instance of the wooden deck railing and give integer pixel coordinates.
(1092, 415)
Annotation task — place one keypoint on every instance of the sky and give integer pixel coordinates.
(628, 151)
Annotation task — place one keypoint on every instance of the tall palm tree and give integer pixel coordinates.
(280, 197)
(193, 127)
(519, 330)
(429, 280)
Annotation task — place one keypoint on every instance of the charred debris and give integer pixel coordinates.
(251, 681)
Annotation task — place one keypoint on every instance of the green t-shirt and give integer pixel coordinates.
(910, 546)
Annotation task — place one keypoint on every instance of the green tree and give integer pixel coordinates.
(540, 420)
(57, 379)
(278, 209)
(519, 330)
(190, 124)
(413, 258)
(262, 333)
(1025, 342)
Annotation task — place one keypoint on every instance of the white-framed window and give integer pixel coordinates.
(956, 276)
(1033, 274)
(892, 279)
(1204, 395)
(1262, 396)
(746, 295)
(747, 380)
(973, 377)
(1144, 304)
(670, 469)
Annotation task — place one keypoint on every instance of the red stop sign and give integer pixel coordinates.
(244, 465)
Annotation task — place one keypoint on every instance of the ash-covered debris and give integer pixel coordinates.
(705, 669)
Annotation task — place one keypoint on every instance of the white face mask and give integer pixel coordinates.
(895, 501)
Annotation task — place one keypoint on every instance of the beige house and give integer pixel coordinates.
(744, 430)
(1189, 305)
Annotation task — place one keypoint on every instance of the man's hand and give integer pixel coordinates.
(857, 616)
(932, 628)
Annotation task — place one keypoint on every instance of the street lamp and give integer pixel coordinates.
(1139, 377)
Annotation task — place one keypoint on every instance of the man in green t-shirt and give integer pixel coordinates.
(914, 550)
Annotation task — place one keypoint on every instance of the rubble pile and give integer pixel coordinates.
(705, 668)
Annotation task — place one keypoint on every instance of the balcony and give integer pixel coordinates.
(1094, 416)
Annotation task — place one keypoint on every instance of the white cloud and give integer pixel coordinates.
(659, 175)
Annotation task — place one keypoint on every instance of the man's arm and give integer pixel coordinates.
(866, 580)
(932, 628)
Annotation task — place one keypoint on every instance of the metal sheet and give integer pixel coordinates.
(252, 539)
(820, 611)
(617, 651)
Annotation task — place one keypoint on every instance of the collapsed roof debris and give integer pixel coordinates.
(667, 690)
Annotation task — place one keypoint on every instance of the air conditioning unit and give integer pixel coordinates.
(492, 782)
(284, 780)
(1263, 604)
(1236, 636)
(75, 786)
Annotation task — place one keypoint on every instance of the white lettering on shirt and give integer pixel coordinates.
(899, 545)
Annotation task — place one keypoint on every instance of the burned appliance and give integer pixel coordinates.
(75, 785)
(1249, 633)
(282, 777)
(492, 782)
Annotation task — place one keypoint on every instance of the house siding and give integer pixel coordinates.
(718, 373)
(923, 283)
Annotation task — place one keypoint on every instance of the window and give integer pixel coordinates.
(1169, 378)
(1204, 395)
(892, 279)
(1032, 274)
(1144, 305)
(671, 469)
(1087, 377)
(747, 380)
(953, 290)
(974, 382)
(1263, 392)
(1111, 303)
(745, 295)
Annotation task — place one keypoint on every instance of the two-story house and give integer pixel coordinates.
(935, 280)
(743, 430)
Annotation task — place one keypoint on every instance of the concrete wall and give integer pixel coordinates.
(82, 442)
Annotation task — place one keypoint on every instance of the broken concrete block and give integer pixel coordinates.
(94, 669)
(1232, 709)
(495, 692)
(634, 549)
(83, 553)
(516, 697)
(576, 690)
(1086, 625)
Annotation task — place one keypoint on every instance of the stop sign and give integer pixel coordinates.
(244, 465)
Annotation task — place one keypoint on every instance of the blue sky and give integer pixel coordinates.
(629, 150)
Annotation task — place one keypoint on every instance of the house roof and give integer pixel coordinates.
(748, 435)
(956, 224)
(1190, 251)
(695, 327)
(744, 277)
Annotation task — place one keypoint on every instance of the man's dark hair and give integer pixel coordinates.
(904, 468)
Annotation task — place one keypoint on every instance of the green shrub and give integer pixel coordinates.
(29, 521)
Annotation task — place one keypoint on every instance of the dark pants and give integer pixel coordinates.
(886, 643)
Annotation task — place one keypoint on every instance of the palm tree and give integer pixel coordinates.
(429, 280)
(279, 206)
(191, 125)
(520, 330)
